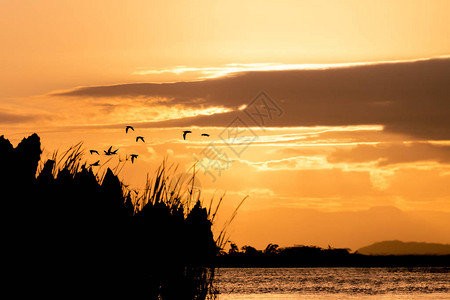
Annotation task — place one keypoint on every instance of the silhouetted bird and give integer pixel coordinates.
(140, 138)
(96, 164)
(186, 132)
(205, 134)
(114, 152)
(94, 151)
(108, 152)
(129, 127)
(133, 156)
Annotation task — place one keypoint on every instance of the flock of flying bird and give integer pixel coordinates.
(132, 156)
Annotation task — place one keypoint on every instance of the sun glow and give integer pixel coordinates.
(215, 72)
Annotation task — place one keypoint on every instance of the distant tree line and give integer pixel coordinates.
(313, 256)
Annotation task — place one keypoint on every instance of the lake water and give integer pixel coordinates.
(333, 283)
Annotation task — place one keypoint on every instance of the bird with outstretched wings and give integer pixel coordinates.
(133, 157)
(108, 152)
(140, 138)
(186, 132)
(128, 128)
(94, 151)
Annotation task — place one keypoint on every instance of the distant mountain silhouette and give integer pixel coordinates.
(405, 248)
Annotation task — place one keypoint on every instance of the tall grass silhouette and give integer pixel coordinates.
(81, 232)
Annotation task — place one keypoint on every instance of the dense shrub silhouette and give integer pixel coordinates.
(70, 232)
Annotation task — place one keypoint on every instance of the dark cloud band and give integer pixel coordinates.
(411, 98)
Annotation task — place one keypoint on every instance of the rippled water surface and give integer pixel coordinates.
(333, 283)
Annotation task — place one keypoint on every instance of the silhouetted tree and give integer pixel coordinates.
(249, 250)
(271, 249)
(233, 249)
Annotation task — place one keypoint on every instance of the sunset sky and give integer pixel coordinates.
(332, 116)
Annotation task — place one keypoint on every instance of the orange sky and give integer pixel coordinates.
(357, 153)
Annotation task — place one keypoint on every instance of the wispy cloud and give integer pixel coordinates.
(393, 153)
(214, 72)
(19, 118)
(395, 95)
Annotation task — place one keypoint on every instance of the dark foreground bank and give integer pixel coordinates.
(69, 231)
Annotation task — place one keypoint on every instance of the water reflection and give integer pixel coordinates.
(333, 283)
